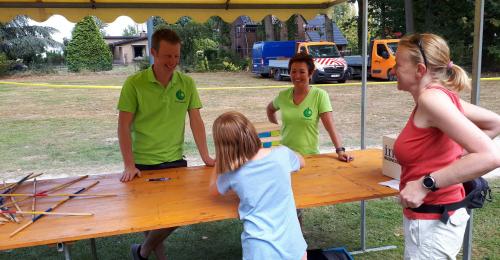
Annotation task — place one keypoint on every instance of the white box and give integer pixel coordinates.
(390, 166)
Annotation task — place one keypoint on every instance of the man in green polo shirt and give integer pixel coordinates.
(153, 106)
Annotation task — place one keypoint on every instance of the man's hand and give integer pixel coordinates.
(413, 195)
(343, 156)
(129, 174)
(209, 161)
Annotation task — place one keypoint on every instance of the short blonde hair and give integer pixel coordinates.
(433, 51)
(236, 141)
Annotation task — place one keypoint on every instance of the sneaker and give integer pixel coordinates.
(135, 250)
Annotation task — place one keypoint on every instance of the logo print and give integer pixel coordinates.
(180, 95)
(308, 112)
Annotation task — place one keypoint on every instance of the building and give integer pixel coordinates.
(127, 49)
(243, 34)
(315, 31)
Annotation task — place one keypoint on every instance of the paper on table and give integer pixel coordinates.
(394, 184)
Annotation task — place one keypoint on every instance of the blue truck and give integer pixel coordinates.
(270, 59)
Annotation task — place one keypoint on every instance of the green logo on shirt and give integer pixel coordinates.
(308, 112)
(180, 95)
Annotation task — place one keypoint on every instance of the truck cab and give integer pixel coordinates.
(329, 63)
(381, 59)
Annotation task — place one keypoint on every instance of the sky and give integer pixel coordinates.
(65, 27)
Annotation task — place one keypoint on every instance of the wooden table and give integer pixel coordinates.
(141, 205)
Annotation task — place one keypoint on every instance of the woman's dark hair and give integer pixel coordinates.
(305, 58)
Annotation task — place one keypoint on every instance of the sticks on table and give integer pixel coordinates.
(51, 209)
(46, 213)
(53, 189)
(58, 195)
(33, 203)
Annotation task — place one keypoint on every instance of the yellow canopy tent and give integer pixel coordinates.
(229, 10)
(170, 10)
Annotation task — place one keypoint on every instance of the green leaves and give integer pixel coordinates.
(20, 40)
(87, 49)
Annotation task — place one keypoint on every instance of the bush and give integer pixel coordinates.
(143, 63)
(54, 58)
(87, 49)
(4, 64)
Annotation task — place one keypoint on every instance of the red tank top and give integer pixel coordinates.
(421, 151)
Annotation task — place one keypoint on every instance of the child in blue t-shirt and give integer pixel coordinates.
(261, 179)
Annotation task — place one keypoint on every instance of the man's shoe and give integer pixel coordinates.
(135, 250)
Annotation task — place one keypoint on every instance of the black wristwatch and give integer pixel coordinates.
(429, 183)
(339, 149)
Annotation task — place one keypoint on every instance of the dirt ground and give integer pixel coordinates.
(66, 132)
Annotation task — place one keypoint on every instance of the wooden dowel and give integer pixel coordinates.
(18, 182)
(33, 203)
(46, 213)
(58, 195)
(53, 189)
(51, 209)
(17, 207)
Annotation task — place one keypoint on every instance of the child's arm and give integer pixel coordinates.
(301, 160)
(212, 188)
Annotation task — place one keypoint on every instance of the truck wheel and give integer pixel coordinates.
(277, 75)
(265, 75)
(314, 79)
(390, 76)
(348, 74)
(341, 81)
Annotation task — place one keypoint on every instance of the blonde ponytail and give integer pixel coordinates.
(457, 79)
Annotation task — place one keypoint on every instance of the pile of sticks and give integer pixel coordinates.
(12, 215)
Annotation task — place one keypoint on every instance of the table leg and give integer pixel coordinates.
(363, 248)
(93, 248)
(61, 247)
(468, 238)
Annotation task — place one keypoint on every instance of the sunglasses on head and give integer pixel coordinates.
(417, 40)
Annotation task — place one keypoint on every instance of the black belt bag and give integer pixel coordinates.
(477, 191)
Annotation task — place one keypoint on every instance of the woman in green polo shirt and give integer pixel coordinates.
(301, 108)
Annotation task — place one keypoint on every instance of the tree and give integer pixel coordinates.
(101, 25)
(20, 40)
(130, 31)
(87, 49)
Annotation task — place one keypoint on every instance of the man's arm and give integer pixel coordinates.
(198, 129)
(125, 120)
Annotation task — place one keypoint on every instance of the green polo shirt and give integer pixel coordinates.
(299, 129)
(159, 114)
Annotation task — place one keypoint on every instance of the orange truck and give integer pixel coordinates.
(381, 60)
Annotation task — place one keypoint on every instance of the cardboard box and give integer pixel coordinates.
(390, 166)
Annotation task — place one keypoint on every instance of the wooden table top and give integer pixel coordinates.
(141, 205)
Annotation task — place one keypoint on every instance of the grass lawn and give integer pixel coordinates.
(70, 132)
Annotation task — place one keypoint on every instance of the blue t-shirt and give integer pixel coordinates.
(271, 229)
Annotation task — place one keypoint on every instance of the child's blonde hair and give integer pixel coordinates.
(236, 141)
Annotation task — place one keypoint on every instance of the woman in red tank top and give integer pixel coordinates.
(431, 146)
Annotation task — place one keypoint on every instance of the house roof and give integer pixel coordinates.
(125, 41)
(319, 23)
